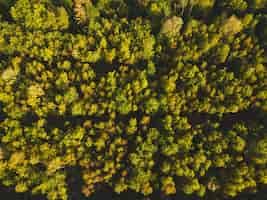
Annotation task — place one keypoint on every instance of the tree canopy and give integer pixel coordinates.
(147, 96)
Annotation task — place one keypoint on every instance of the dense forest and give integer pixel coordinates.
(154, 99)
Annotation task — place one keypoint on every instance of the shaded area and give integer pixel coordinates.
(229, 119)
(10, 194)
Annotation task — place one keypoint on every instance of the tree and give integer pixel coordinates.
(40, 17)
(171, 27)
(231, 26)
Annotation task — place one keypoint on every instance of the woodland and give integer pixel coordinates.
(133, 99)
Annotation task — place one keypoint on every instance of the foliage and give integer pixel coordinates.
(149, 96)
